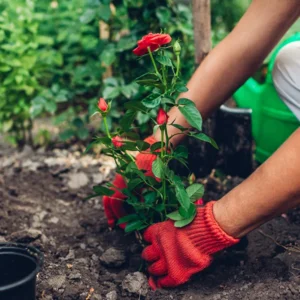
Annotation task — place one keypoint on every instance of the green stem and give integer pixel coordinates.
(176, 75)
(162, 142)
(178, 66)
(164, 79)
(106, 127)
(167, 140)
(164, 76)
(131, 157)
(163, 129)
(124, 153)
(153, 62)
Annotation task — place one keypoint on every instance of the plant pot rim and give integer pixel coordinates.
(23, 249)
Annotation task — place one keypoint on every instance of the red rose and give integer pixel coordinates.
(162, 117)
(153, 41)
(117, 141)
(102, 105)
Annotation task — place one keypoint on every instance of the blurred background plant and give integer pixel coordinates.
(58, 57)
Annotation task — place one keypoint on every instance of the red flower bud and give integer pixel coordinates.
(117, 141)
(102, 105)
(162, 117)
(199, 202)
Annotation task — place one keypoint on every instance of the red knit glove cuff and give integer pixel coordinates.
(206, 234)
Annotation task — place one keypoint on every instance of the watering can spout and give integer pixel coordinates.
(247, 96)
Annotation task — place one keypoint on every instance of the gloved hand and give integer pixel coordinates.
(113, 205)
(175, 254)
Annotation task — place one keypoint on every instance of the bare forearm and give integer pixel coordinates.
(271, 190)
(236, 57)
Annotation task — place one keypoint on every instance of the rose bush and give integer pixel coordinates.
(150, 191)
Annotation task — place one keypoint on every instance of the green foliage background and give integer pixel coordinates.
(53, 59)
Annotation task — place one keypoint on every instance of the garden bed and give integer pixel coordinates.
(42, 203)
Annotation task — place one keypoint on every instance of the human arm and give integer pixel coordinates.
(237, 57)
(175, 254)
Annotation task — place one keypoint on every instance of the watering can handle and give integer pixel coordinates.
(236, 110)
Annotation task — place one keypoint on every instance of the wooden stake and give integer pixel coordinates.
(104, 34)
(202, 29)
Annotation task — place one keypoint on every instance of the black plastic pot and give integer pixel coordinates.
(19, 265)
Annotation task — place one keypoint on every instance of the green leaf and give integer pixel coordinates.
(181, 88)
(111, 92)
(142, 146)
(102, 190)
(158, 168)
(135, 225)
(170, 174)
(125, 43)
(88, 16)
(77, 122)
(148, 76)
(156, 146)
(166, 100)
(104, 140)
(183, 197)
(111, 81)
(185, 101)
(150, 197)
(163, 14)
(203, 137)
(104, 12)
(151, 181)
(164, 60)
(132, 169)
(128, 119)
(160, 207)
(175, 216)
(181, 151)
(128, 91)
(67, 134)
(182, 161)
(128, 218)
(131, 146)
(179, 127)
(149, 82)
(191, 113)
(181, 194)
(90, 146)
(195, 191)
(135, 106)
(190, 212)
(132, 184)
(132, 136)
(5, 68)
(184, 222)
(83, 133)
(152, 101)
(108, 57)
(37, 106)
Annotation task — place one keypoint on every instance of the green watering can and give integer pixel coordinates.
(272, 121)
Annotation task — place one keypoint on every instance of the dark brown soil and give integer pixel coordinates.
(73, 234)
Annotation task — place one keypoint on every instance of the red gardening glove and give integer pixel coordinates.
(175, 254)
(113, 205)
